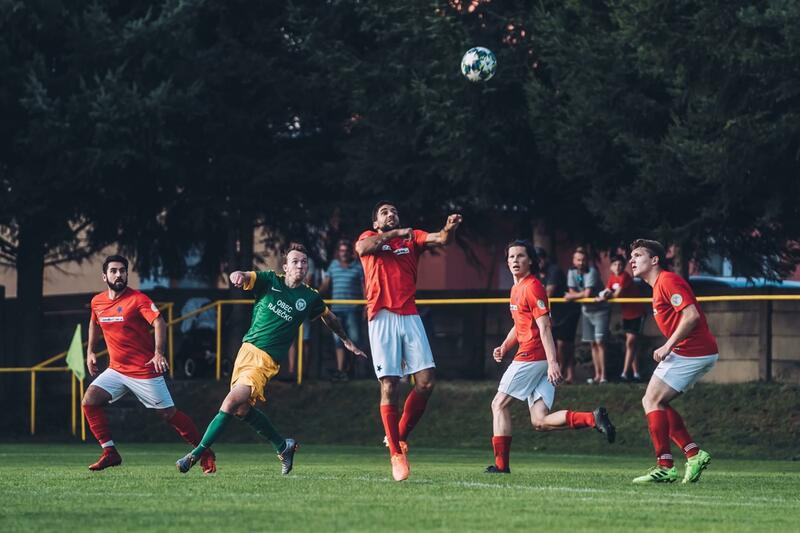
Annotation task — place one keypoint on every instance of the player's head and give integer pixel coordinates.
(580, 259)
(384, 216)
(115, 272)
(344, 251)
(646, 256)
(617, 264)
(295, 262)
(521, 258)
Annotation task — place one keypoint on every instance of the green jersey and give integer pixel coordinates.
(278, 312)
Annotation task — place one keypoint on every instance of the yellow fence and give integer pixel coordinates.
(77, 386)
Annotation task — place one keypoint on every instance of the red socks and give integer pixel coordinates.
(390, 427)
(502, 450)
(580, 419)
(412, 412)
(679, 435)
(658, 423)
(98, 424)
(185, 427)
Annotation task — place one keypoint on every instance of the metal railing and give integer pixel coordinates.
(218, 305)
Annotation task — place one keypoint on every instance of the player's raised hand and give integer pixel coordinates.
(553, 373)
(238, 278)
(405, 233)
(453, 222)
(497, 354)
(350, 345)
(91, 363)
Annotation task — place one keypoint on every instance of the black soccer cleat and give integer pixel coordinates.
(492, 469)
(603, 424)
(286, 457)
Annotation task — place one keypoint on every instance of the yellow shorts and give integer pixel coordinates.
(254, 368)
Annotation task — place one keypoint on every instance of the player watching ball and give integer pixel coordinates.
(534, 373)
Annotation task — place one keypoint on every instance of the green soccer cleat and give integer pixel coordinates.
(658, 474)
(695, 466)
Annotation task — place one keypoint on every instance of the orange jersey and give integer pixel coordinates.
(629, 290)
(390, 274)
(529, 302)
(126, 328)
(671, 295)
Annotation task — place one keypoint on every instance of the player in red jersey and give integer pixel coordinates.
(136, 362)
(534, 373)
(689, 353)
(389, 255)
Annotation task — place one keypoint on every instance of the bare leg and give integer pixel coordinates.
(543, 420)
(601, 359)
(501, 417)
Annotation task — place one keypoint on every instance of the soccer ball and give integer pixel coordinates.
(478, 64)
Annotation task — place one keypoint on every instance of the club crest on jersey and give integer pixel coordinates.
(540, 304)
(676, 299)
(386, 248)
(300, 304)
(153, 308)
(513, 307)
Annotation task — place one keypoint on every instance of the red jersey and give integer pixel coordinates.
(126, 328)
(390, 274)
(629, 290)
(529, 302)
(671, 294)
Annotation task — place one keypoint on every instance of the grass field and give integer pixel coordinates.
(346, 488)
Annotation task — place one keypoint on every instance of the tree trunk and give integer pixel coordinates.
(30, 282)
(681, 259)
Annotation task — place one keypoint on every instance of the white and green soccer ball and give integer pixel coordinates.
(478, 64)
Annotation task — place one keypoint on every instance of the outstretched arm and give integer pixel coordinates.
(373, 243)
(446, 235)
(335, 325)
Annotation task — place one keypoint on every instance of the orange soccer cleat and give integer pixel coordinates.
(208, 462)
(110, 457)
(400, 469)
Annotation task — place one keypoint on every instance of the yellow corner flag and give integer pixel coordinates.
(75, 359)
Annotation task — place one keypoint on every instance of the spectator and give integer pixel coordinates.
(583, 281)
(564, 316)
(345, 279)
(621, 285)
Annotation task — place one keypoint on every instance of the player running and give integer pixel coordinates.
(389, 255)
(689, 353)
(282, 304)
(137, 363)
(534, 373)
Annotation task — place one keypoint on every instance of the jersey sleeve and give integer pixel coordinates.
(419, 239)
(368, 233)
(678, 292)
(536, 297)
(258, 282)
(147, 308)
(316, 308)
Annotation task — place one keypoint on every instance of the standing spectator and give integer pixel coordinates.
(583, 281)
(345, 279)
(563, 315)
(621, 285)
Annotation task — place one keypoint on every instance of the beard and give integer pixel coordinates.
(389, 226)
(117, 286)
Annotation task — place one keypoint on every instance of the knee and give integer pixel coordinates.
(389, 387)
(649, 404)
(425, 387)
(497, 406)
(241, 411)
(538, 424)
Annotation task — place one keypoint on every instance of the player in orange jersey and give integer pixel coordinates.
(534, 373)
(136, 363)
(389, 255)
(689, 353)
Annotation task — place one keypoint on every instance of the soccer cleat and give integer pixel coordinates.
(208, 461)
(286, 457)
(492, 469)
(658, 474)
(400, 469)
(403, 445)
(110, 457)
(695, 466)
(186, 462)
(603, 424)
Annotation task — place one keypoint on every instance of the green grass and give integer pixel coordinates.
(347, 488)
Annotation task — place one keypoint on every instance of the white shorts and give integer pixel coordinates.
(527, 380)
(681, 372)
(152, 392)
(399, 344)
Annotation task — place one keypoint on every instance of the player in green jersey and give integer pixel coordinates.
(282, 303)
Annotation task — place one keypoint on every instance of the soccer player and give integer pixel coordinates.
(137, 363)
(389, 255)
(689, 353)
(534, 373)
(282, 303)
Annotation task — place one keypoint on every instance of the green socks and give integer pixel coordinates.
(213, 431)
(261, 424)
